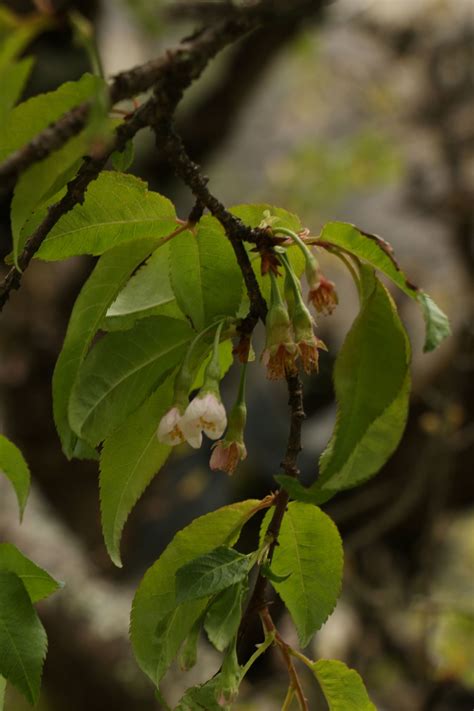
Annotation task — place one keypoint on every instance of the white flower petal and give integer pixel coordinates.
(169, 431)
(192, 435)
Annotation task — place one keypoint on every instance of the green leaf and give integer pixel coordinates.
(218, 693)
(267, 572)
(155, 599)
(379, 254)
(437, 324)
(122, 160)
(109, 276)
(372, 384)
(188, 653)
(211, 573)
(310, 547)
(148, 293)
(223, 617)
(121, 371)
(205, 697)
(39, 184)
(3, 685)
(22, 638)
(26, 120)
(15, 468)
(205, 276)
(226, 360)
(117, 208)
(13, 78)
(38, 583)
(342, 687)
(129, 459)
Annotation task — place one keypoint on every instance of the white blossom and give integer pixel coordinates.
(170, 430)
(207, 413)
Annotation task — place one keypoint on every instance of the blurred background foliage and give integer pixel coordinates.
(367, 116)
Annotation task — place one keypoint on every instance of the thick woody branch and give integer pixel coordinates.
(171, 76)
(185, 62)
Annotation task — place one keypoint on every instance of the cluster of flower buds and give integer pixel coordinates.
(289, 330)
(187, 421)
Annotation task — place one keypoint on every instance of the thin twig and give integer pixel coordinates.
(286, 653)
(172, 145)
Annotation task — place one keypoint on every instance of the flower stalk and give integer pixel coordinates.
(307, 343)
(322, 293)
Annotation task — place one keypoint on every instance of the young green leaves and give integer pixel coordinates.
(160, 623)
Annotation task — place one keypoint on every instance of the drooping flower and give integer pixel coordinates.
(171, 432)
(309, 352)
(186, 421)
(228, 452)
(280, 349)
(322, 294)
(205, 413)
(226, 455)
(307, 343)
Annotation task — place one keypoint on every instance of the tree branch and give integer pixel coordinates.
(185, 62)
(172, 146)
(75, 193)
(257, 601)
(170, 75)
